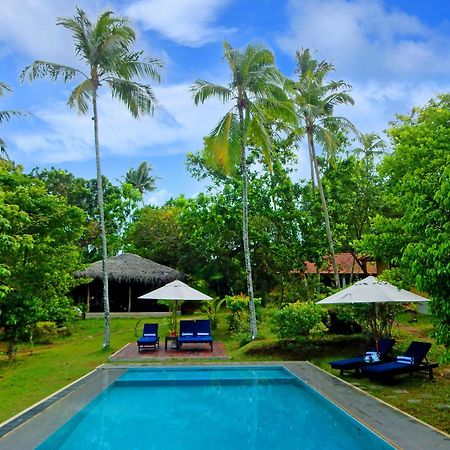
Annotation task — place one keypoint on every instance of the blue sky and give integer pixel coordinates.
(395, 53)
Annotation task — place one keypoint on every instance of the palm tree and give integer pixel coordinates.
(371, 145)
(315, 100)
(254, 93)
(5, 116)
(141, 179)
(106, 48)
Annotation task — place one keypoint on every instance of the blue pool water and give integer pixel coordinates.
(251, 408)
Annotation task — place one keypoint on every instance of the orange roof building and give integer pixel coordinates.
(348, 263)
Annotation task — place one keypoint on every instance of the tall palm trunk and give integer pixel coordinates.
(106, 339)
(312, 153)
(248, 266)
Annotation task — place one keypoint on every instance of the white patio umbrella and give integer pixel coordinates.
(176, 290)
(371, 290)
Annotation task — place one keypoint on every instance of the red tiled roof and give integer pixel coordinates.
(346, 264)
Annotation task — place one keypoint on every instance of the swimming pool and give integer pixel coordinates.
(211, 408)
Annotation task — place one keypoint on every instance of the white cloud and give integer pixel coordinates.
(29, 28)
(392, 59)
(176, 128)
(158, 198)
(365, 39)
(377, 102)
(187, 22)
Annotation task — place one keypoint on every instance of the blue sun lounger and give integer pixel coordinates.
(355, 363)
(414, 360)
(150, 338)
(195, 332)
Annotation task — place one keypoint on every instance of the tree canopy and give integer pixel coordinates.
(38, 253)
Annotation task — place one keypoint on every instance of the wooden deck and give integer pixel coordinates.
(129, 353)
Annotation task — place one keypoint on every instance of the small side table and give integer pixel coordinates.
(174, 339)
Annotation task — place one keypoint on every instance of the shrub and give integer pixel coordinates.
(298, 319)
(238, 320)
(44, 332)
(211, 309)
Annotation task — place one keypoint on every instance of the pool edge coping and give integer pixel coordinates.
(431, 427)
(52, 396)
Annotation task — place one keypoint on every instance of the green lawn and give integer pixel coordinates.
(53, 366)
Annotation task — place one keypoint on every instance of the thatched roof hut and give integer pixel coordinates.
(127, 267)
(126, 271)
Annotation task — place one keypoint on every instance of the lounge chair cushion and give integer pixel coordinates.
(371, 357)
(195, 332)
(405, 359)
(149, 338)
(355, 363)
(411, 361)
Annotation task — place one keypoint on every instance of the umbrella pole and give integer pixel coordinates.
(175, 317)
(375, 325)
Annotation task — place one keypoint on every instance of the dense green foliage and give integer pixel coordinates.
(38, 253)
(239, 311)
(298, 319)
(419, 176)
(120, 202)
(202, 236)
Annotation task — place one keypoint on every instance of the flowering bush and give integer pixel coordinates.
(298, 319)
(238, 320)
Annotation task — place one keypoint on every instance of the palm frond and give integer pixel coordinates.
(139, 98)
(259, 136)
(44, 69)
(3, 148)
(371, 145)
(4, 89)
(222, 150)
(8, 114)
(202, 90)
(339, 122)
(277, 109)
(338, 98)
(81, 96)
(81, 28)
(129, 66)
(327, 138)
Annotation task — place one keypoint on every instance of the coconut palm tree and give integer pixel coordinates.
(315, 99)
(106, 49)
(5, 116)
(254, 93)
(141, 179)
(371, 145)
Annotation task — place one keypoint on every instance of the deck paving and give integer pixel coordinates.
(129, 353)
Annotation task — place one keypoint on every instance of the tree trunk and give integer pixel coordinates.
(324, 209)
(106, 339)
(248, 266)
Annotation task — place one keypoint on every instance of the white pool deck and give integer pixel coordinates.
(31, 427)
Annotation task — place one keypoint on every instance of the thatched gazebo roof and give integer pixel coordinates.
(131, 268)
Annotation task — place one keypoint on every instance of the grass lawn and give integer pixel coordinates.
(53, 366)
